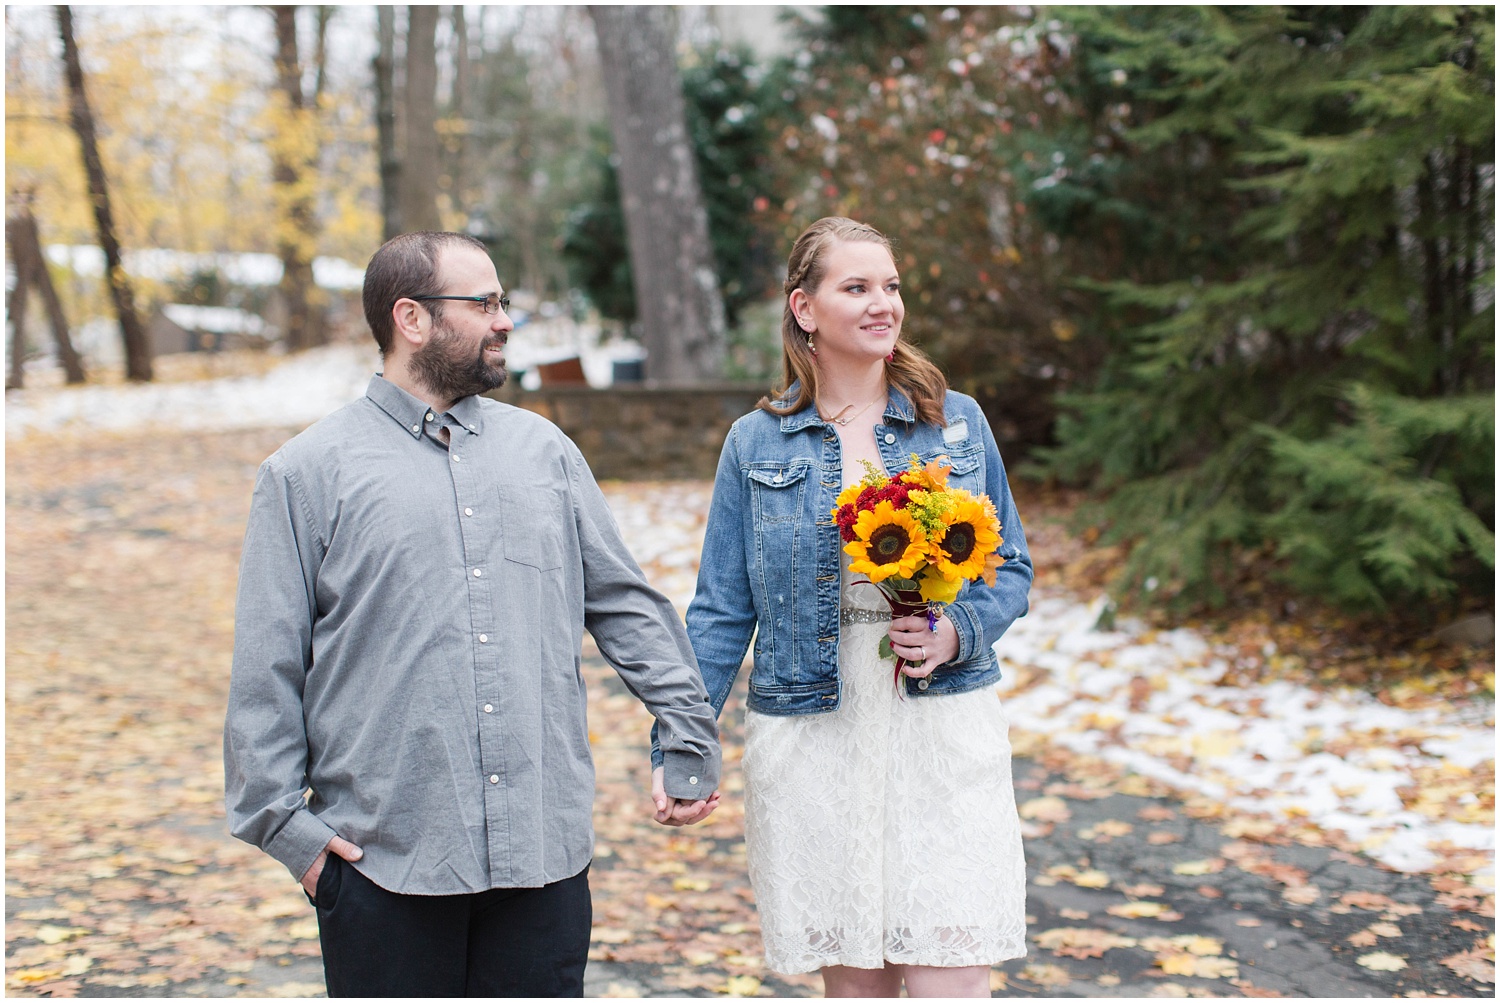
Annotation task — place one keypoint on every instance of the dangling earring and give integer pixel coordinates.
(892, 356)
(810, 346)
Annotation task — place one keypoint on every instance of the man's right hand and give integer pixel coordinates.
(337, 844)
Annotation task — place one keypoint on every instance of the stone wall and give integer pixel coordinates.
(643, 433)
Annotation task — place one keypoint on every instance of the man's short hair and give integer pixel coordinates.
(406, 266)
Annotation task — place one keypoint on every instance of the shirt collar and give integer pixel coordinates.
(411, 413)
(898, 406)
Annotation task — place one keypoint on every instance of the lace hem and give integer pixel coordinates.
(943, 948)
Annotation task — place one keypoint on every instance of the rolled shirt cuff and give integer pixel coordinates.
(689, 776)
(300, 841)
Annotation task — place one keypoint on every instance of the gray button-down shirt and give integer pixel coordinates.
(407, 645)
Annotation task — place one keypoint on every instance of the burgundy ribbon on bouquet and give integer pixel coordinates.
(906, 602)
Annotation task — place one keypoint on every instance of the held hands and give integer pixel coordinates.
(914, 641)
(671, 811)
(338, 845)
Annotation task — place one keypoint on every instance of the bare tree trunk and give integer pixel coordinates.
(31, 269)
(320, 53)
(137, 348)
(462, 84)
(385, 122)
(15, 312)
(291, 163)
(419, 155)
(677, 298)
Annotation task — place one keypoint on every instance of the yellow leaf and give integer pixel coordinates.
(741, 985)
(1137, 910)
(1215, 744)
(37, 974)
(1201, 946)
(692, 884)
(1385, 929)
(77, 964)
(1197, 868)
(305, 930)
(49, 934)
(1381, 961)
(1215, 968)
(1178, 964)
(611, 935)
(1092, 879)
(1046, 809)
(700, 958)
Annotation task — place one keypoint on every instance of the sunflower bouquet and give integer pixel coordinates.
(917, 539)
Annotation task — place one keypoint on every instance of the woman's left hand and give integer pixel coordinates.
(922, 648)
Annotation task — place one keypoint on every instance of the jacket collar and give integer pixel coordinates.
(898, 407)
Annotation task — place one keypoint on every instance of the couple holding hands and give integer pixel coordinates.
(406, 728)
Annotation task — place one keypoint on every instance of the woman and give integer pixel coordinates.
(880, 827)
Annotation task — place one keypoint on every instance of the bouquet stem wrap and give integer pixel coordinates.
(904, 602)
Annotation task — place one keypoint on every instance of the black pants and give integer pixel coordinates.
(503, 942)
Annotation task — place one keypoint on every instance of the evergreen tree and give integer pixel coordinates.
(1312, 387)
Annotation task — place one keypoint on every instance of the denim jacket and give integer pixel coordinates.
(771, 555)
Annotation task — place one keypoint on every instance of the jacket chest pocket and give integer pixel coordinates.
(532, 530)
(776, 492)
(967, 461)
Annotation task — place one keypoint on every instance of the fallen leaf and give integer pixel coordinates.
(1380, 961)
(741, 985)
(1050, 976)
(1073, 914)
(1364, 938)
(1162, 838)
(611, 935)
(1385, 929)
(1477, 964)
(1046, 809)
(48, 934)
(1198, 868)
(1137, 910)
(1144, 890)
(1077, 942)
(1155, 813)
(296, 990)
(1302, 894)
(1464, 923)
(692, 884)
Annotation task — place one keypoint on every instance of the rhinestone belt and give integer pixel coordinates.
(848, 615)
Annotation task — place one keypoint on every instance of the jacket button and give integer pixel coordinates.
(890, 437)
(921, 684)
(777, 479)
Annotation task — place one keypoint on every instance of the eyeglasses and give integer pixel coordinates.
(493, 303)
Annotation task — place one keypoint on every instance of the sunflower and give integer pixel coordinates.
(887, 542)
(971, 533)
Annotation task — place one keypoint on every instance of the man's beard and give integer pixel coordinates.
(444, 366)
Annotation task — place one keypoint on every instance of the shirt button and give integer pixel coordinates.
(429, 415)
(477, 572)
(494, 778)
(889, 438)
(921, 684)
(484, 639)
(693, 780)
(469, 427)
(489, 708)
(416, 428)
(455, 457)
(468, 511)
(777, 478)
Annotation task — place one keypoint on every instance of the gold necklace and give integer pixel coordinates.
(840, 419)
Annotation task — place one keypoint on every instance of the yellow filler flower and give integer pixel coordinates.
(887, 543)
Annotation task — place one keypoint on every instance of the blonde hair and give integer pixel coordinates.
(908, 370)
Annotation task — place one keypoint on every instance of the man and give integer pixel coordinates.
(406, 728)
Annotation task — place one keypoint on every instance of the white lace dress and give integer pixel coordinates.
(884, 831)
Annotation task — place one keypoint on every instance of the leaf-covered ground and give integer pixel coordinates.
(121, 879)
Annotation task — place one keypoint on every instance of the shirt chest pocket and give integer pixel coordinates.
(533, 522)
(776, 491)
